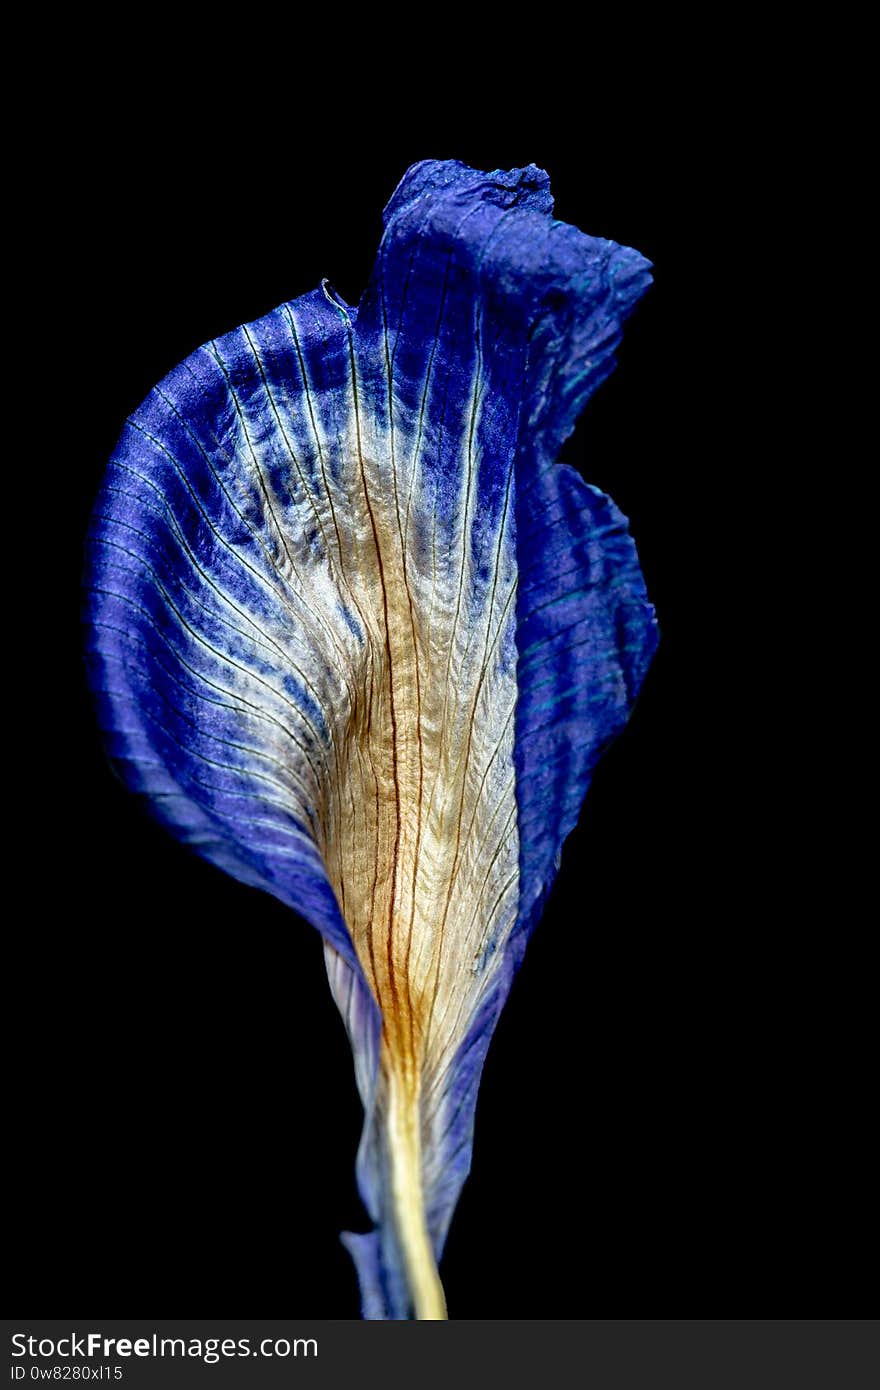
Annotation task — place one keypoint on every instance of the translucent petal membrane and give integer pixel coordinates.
(360, 640)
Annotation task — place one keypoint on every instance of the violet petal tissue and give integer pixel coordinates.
(359, 639)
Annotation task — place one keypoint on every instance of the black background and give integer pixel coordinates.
(653, 1124)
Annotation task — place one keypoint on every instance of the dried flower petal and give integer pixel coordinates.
(360, 640)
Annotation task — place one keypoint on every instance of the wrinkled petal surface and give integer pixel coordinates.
(360, 640)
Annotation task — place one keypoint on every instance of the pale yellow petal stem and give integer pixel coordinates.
(408, 1199)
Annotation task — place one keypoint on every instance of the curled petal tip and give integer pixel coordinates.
(630, 275)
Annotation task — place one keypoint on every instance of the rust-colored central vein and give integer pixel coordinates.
(420, 838)
(395, 1017)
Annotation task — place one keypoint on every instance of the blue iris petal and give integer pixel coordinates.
(359, 639)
